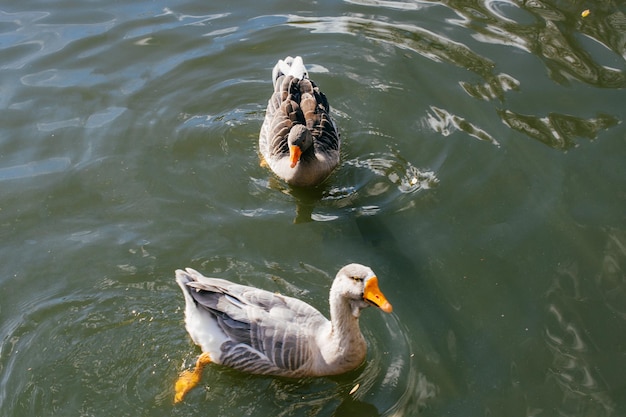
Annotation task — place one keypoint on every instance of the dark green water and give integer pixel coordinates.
(482, 178)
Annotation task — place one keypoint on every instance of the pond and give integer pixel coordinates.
(482, 177)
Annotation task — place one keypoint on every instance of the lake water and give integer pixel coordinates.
(482, 178)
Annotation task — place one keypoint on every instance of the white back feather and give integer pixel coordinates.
(290, 66)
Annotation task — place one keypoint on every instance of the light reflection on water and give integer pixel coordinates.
(563, 55)
(582, 390)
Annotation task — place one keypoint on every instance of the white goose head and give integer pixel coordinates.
(359, 286)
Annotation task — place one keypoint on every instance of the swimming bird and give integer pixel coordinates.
(298, 140)
(262, 332)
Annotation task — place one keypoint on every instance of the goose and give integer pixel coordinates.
(265, 333)
(298, 140)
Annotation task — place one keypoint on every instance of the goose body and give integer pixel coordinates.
(261, 332)
(298, 140)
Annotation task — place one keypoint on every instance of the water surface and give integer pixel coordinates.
(482, 178)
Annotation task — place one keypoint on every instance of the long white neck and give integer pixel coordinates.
(345, 347)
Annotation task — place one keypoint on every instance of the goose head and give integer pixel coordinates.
(299, 139)
(359, 286)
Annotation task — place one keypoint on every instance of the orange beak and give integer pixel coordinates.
(373, 295)
(294, 155)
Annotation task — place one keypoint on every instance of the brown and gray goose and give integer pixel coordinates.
(299, 141)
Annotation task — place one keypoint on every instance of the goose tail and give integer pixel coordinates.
(290, 66)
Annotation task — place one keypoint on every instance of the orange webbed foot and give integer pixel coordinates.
(187, 380)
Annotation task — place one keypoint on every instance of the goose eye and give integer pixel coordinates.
(357, 279)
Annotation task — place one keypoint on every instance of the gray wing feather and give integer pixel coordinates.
(268, 333)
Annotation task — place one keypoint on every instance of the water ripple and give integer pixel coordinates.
(611, 278)
(35, 168)
(558, 130)
(445, 123)
(43, 36)
(573, 370)
(404, 5)
(405, 176)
